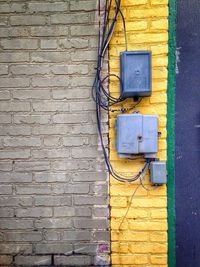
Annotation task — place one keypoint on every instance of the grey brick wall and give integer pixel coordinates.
(54, 186)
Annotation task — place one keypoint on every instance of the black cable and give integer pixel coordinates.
(100, 95)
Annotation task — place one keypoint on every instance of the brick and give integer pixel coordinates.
(53, 201)
(51, 235)
(13, 8)
(10, 248)
(14, 82)
(83, 31)
(77, 188)
(22, 141)
(48, 44)
(5, 189)
(19, 44)
(77, 235)
(82, 106)
(70, 118)
(51, 106)
(100, 212)
(73, 43)
(3, 20)
(15, 225)
(31, 94)
(5, 119)
(33, 260)
(33, 189)
(15, 154)
(70, 94)
(148, 13)
(101, 236)
(89, 152)
(50, 153)
(29, 69)
(50, 177)
(43, 57)
(101, 189)
(32, 119)
(155, 259)
(49, 31)
(51, 81)
(86, 56)
(24, 236)
(14, 32)
(161, 24)
(51, 141)
(73, 260)
(90, 200)
(14, 177)
(47, 7)
(70, 165)
(32, 166)
(3, 69)
(127, 259)
(34, 212)
(89, 176)
(52, 223)
(85, 248)
(5, 260)
(89, 5)
(5, 166)
(75, 141)
(4, 95)
(6, 212)
(70, 69)
(51, 129)
(14, 57)
(159, 2)
(15, 130)
(14, 106)
(27, 20)
(126, 3)
(55, 248)
(70, 18)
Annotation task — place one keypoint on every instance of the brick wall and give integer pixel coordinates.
(54, 190)
(139, 237)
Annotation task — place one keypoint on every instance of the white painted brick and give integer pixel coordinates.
(22, 141)
(19, 44)
(31, 94)
(48, 7)
(32, 119)
(27, 20)
(15, 154)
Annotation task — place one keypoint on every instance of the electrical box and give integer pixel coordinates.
(137, 134)
(158, 172)
(136, 73)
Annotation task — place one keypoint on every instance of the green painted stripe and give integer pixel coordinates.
(171, 135)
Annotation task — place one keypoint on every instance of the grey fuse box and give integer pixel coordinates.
(158, 172)
(137, 134)
(136, 73)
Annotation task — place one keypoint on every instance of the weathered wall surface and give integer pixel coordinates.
(140, 238)
(53, 187)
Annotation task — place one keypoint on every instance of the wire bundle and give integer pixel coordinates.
(100, 95)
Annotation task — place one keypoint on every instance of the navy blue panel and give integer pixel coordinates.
(188, 135)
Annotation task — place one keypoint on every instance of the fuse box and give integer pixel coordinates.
(158, 172)
(137, 134)
(136, 73)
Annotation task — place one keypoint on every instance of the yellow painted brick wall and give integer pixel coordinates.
(141, 240)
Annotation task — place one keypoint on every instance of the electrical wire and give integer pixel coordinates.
(101, 96)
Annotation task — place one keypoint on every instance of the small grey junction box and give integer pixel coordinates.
(158, 172)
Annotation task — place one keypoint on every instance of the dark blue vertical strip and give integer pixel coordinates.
(171, 134)
(188, 135)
